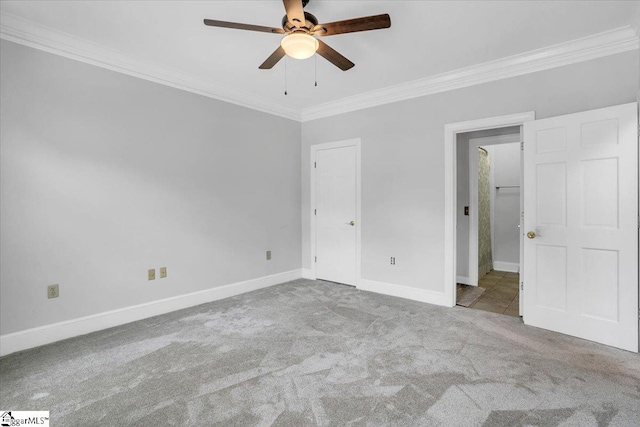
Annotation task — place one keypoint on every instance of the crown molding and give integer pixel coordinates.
(28, 33)
(592, 47)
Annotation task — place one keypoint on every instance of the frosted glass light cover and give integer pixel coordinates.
(299, 46)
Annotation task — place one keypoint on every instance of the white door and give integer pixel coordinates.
(336, 214)
(581, 201)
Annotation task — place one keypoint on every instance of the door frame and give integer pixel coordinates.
(355, 142)
(451, 131)
(474, 144)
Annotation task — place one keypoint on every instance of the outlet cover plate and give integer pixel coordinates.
(163, 272)
(268, 255)
(53, 291)
(152, 274)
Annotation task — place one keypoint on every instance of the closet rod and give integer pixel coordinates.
(506, 186)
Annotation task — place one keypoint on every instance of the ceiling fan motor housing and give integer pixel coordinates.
(310, 22)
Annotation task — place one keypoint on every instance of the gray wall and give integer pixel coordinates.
(104, 176)
(402, 157)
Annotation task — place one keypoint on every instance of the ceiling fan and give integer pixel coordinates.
(300, 28)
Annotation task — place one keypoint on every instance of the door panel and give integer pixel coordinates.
(581, 200)
(600, 177)
(601, 285)
(552, 277)
(336, 215)
(552, 194)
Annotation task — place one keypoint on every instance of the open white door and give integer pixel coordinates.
(581, 220)
(336, 192)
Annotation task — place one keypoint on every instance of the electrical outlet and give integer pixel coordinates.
(268, 255)
(152, 274)
(163, 272)
(53, 291)
(393, 260)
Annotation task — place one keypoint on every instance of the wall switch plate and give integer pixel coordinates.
(163, 272)
(152, 274)
(53, 291)
(268, 255)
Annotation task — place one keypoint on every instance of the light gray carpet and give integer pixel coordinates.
(313, 353)
(467, 295)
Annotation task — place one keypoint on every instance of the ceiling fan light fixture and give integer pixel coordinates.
(299, 45)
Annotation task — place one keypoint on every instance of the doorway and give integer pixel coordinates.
(488, 219)
(451, 203)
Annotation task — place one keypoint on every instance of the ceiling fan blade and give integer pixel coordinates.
(273, 59)
(238, 26)
(295, 12)
(333, 56)
(366, 23)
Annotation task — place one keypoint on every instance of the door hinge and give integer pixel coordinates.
(315, 259)
(521, 145)
(315, 165)
(522, 286)
(315, 212)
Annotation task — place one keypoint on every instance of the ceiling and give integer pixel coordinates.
(426, 38)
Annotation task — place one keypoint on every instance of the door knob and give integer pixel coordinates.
(351, 223)
(531, 234)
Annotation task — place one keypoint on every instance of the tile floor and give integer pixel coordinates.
(501, 294)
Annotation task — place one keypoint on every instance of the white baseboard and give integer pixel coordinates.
(29, 338)
(307, 273)
(422, 295)
(512, 267)
(463, 280)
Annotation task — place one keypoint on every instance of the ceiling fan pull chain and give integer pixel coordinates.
(315, 67)
(285, 75)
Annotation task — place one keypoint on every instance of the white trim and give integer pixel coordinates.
(29, 33)
(29, 338)
(463, 280)
(611, 42)
(521, 223)
(312, 201)
(450, 189)
(512, 267)
(308, 273)
(401, 291)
